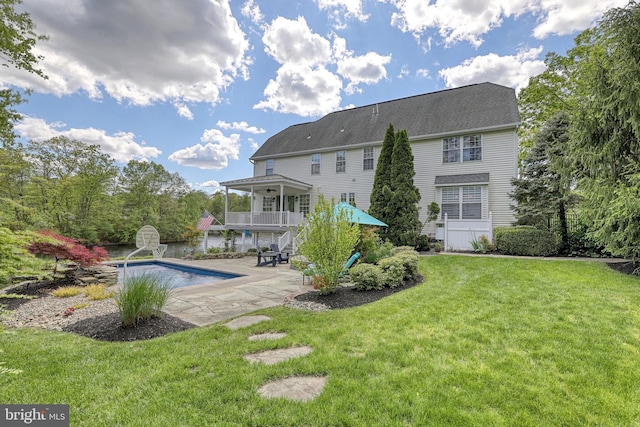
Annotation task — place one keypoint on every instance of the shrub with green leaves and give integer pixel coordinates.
(393, 270)
(524, 240)
(409, 263)
(142, 297)
(399, 249)
(367, 277)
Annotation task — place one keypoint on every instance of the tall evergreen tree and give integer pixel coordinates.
(379, 198)
(543, 191)
(404, 222)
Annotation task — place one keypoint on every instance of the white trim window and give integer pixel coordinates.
(367, 158)
(341, 161)
(461, 202)
(269, 167)
(457, 149)
(315, 164)
(471, 148)
(348, 198)
(304, 204)
(267, 203)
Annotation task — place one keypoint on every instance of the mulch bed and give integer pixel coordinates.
(626, 267)
(109, 328)
(345, 297)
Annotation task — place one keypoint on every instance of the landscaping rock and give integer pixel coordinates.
(271, 357)
(300, 389)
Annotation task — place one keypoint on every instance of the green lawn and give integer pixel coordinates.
(484, 341)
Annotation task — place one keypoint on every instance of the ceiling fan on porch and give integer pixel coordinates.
(271, 190)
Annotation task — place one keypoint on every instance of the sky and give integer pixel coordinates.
(199, 85)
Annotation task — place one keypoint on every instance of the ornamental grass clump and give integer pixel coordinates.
(67, 291)
(142, 297)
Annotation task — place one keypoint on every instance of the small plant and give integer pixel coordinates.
(68, 312)
(410, 263)
(67, 291)
(437, 247)
(481, 244)
(214, 250)
(393, 270)
(80, 305)
(367, 277)
(143, 297)
(97, 292)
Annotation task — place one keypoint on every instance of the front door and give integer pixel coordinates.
(291, 202)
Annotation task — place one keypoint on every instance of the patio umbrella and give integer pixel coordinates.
(358, 216)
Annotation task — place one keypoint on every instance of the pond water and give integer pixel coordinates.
(174, 250)
(180, 275)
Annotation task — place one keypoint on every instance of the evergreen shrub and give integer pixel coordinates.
(367, 277)
(393, 269)
(524, 240)
(409, 263)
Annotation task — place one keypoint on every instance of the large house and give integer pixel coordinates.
(465, 149)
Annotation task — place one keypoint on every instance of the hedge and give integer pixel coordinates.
(524, 240)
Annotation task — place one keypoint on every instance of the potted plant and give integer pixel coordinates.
(437, 247)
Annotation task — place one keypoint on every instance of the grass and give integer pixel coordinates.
(484, 341)
(67, 291)
(142, 297)
(97, 292)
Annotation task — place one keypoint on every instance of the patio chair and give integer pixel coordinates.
(282, 257)
(266, 258)
(311, 269)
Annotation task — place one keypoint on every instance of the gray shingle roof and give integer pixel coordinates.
(474, 107)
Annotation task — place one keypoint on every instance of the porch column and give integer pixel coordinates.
(251, 214)
(281, 204)
(226, 204)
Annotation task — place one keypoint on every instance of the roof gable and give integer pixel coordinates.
(474, 107)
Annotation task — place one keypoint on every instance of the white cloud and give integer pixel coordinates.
(253, 144)
(134, 53)
(292, 42)
(121, 145)
(210, 184)
(183, 110)
(342, 10)
(460, 21)
(422, 73)
(241, 126)
(569, 16)
(368, 69)
(215, 154)
(252, 11)
(302, 90)
(511, 70)
(404, 71)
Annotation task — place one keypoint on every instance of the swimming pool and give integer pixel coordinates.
(181, 275)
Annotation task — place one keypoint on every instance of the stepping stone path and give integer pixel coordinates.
(301, 389)
(271, 357)
(243, 322)
(267, 336)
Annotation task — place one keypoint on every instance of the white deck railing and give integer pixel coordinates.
(283, 219)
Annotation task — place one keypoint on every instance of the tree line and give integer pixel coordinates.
(71, 187)
(580, 138)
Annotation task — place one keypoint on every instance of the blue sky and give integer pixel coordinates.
(199, 85)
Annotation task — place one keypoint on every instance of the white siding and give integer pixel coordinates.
(499, 159)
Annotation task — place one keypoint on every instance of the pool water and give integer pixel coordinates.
(180, 275)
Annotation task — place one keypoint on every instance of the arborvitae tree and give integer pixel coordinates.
(404, 222)
(543, 191)
(380, 199)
